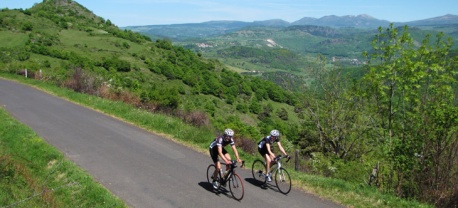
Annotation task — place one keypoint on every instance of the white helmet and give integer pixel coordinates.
(229, 132)
(275, 133)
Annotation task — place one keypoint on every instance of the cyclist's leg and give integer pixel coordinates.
(214, 157)
(268, 162)
(218, 168)
(265, 155)
(228, 157)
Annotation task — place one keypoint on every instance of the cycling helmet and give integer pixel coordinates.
(229, 132)
(275, 133)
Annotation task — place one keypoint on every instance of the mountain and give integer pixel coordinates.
(359, 21)
(271, 23)
(201, 30)
(192, 30)
(448, 19)
(217, 28)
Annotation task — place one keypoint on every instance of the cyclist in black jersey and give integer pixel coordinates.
(264, 148)
(217, 149)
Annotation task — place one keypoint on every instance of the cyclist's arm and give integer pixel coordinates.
(236, 153)
(281, 149)
(271, 154)
(220, 152)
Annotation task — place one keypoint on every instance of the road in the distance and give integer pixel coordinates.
(142, 168)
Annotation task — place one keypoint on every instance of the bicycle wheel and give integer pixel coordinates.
(236, 187)
(257, 170)
(210, 170)
(283, 181)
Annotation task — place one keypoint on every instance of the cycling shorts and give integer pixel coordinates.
(214, 153)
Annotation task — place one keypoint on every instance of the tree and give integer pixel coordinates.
(413, 91)
(255, 106)
(116, 63)
(27, 26)
(283, 114)
(338, 122)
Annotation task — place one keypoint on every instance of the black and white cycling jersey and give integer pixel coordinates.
(219, 141)
(262, 143)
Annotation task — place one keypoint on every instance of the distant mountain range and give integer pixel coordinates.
(214, 28)
(366, 21)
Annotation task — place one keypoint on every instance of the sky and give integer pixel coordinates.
(163, 12)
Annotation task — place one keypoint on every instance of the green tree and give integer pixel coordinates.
(283, 114)
(337, 117)
(115, 63)
(27, 26)
(255, 106)
(413, 90)
(242, 107)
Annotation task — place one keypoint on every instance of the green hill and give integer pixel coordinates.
(64, 43)
(293, 49)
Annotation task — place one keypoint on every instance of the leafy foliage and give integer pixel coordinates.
(413, 91)
(276, 58)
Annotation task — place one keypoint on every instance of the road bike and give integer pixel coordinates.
(230, 178)
(282, 178)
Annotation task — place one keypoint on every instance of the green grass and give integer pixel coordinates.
(30, 146)
(35, 174)
(13, 40)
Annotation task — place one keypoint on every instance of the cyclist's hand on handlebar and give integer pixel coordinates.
(288, 157)
(239, 160)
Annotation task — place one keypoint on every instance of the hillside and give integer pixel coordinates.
(64, 43)
(272, 48)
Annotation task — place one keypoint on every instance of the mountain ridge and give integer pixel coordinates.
(450, 19)
(221, 27)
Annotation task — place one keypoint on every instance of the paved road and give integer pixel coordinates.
(142, 168)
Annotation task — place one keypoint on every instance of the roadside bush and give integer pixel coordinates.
(247, 145)
(195, 118)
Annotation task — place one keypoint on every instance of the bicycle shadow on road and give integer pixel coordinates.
(209, 187)
(265, 186)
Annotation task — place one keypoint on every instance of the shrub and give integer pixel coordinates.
(195, 118)
(246, 144)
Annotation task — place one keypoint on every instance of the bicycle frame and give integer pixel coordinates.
(230, 172)
(277, 165)
(280, 175)
(232, 178)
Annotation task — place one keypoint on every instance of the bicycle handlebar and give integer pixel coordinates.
(234, 162)
(279, 157)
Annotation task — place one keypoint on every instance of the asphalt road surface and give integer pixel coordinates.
(140, 167)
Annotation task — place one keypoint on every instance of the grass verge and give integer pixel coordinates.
(35, 174)
(339, 191)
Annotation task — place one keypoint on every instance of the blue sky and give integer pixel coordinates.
(159, 12)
